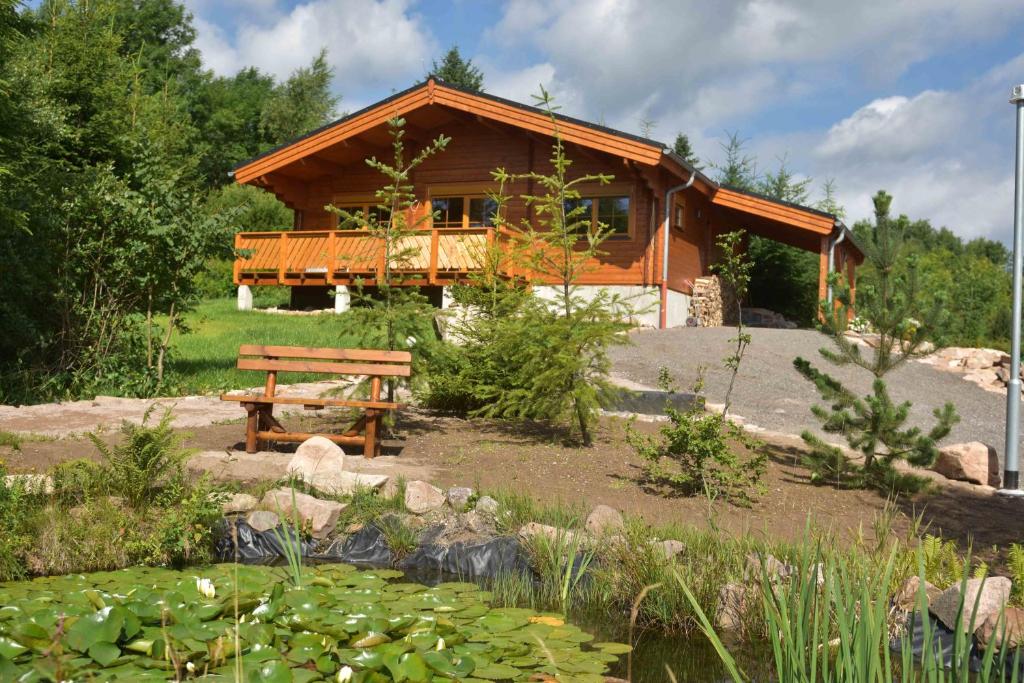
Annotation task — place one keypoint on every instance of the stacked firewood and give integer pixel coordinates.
(706, 302)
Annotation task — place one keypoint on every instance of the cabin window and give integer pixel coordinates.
(611, 211)
(367, 210)
(463, 211)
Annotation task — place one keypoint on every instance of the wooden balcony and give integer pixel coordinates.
(339, 257)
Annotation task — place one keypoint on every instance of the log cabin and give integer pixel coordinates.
(663, 213)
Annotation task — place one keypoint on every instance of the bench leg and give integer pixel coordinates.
(251, 428)
(370, 444)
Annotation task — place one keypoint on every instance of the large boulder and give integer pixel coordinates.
(603, 520)
(262, 520)
(732, 598)
(1007, 632)
(907, 597)
(421, 497)
(972, 461)
(459, 497)
(533, 529)
(991, 595)
(237, 503)
(486, 505)
(320, 515)
(320, 463)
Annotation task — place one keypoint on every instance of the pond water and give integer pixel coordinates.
(142, 623)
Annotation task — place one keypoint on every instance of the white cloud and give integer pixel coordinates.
(897, 127)
(370, 43)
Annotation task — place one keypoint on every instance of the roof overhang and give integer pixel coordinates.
(432, 92)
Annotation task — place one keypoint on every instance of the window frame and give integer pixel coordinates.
(348, 201)
(596, 192)
(464, 191)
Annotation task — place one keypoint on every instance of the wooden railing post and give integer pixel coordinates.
(282, 265)
(237, 267)
(435, 244)
(380, 260)
(332, 255)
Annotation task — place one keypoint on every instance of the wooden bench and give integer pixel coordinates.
(261, 424)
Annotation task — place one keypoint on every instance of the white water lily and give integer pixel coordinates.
(190, 667)
(205, 588)
(440, 644)
(345, 675)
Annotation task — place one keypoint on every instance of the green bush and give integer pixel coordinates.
(76, 481)
(21, 505)
(182, 532)
(146, 461)
(99, 535)
(692, 456)
(216, 279)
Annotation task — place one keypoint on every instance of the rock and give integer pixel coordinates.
(321, 515)
(1003, 375)
(458, 497)
(487, 506)
(238, 502)
(262, 520)
(391, 488)
(994, 590)
(972, 461)
(35, 483)
(775, 568)
(604, 519)
(671, 548)
(320, 463)
(1008, 634)
(480, 523)
(732, 599)
(906, 597)
(421, 497)
(531, 529)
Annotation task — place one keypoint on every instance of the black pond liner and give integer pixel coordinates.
(943, 642)
(368, 547)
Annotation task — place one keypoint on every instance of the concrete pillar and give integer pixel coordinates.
(446, 298)
(342, 299)
(244, 298)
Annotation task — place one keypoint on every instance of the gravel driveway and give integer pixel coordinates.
(770, 393)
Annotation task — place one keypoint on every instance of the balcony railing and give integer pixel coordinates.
(297, 257)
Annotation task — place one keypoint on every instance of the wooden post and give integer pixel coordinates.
(435, 243)
(251, 428)
(282, 264)
(823, 269)
(332, 250)
(851, 278)
(236, 269)
(372, 419)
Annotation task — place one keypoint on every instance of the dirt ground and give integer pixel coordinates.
(492, 455)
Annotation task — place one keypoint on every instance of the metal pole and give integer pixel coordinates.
(1011, 474)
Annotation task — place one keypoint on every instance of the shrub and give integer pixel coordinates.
(692, 455)
(147, 459)
(75, 481)
(20, 508)
(97, 536)
(182, 532)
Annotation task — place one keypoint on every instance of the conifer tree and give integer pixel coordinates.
(683, 148)
(457, 71)
(875, 425)
(396, 311)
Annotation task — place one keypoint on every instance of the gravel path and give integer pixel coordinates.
(770, 393)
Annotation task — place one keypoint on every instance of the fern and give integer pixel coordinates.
(1015, 565)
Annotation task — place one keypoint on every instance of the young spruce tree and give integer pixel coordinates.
(875, 425)
(554, 351)
(395, 315)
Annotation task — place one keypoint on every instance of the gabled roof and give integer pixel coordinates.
(433, 91)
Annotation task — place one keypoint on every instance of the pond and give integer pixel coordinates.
(151, 624)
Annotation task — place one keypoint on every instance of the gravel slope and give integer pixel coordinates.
(770, 393)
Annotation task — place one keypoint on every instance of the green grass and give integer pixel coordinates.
(203, 360)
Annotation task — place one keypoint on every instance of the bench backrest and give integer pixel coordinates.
(369, 362)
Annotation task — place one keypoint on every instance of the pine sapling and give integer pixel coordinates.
(874, 425)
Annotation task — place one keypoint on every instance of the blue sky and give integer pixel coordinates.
(906, 95)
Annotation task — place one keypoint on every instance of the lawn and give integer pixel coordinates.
(203, 360)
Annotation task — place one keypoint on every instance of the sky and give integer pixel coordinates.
(906, 95)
